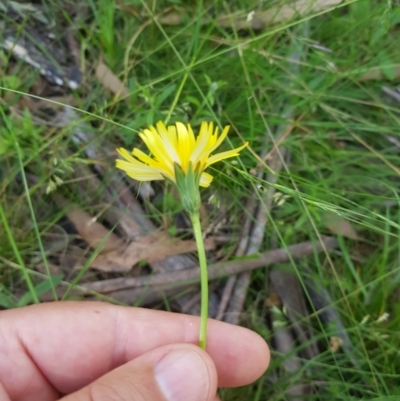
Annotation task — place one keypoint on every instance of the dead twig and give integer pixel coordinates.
(261, 209)
(285, 343)
(191, 276)
(323, 305)
(290, 292)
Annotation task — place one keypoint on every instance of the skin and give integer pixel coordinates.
(50, 350)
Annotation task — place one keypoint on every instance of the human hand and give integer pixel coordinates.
(90, 351)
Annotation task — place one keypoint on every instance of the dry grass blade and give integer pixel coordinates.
(395, 94)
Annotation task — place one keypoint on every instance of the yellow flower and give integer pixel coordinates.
(176, 146)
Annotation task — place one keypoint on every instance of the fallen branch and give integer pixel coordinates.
(176, 279)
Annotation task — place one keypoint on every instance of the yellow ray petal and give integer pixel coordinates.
(173, 137)
(192, 139)
(126, 155)
(145, 158)
(201, 143)
(140, 171)
(156, 147)
(137, 166)
(183, 145)
(145, 177)
(224, 155)
(205, 180)
(222, 137)
(169, 140)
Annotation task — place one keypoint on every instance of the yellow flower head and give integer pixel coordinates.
(176, 146)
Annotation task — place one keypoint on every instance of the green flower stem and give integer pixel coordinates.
(195, 218)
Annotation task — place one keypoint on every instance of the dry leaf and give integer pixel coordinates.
(150, 248)
(376, 74)
(110, 80)
(273, 301)
(335, 343)
(339, 226)
(89, 228)
(257, 20)
(117, 256)
(128, 8)
(172, 18)
(299, 7)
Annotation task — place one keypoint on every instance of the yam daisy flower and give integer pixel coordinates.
(180, 157)
(177, 156)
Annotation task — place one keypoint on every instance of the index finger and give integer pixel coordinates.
(66, 345)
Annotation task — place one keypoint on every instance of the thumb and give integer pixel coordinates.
(179, 372)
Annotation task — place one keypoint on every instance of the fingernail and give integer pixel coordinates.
(182, 375)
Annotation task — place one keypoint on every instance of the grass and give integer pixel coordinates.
(342, 160)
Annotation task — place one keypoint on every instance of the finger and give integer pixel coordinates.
(179, 372)
(3, 395)
(61, 347)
